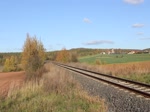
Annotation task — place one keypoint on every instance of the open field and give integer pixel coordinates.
(7, 80)
(114, 58)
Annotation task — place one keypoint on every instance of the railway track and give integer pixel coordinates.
(132, 86)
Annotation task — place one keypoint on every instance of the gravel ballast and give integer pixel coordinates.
(116, 99)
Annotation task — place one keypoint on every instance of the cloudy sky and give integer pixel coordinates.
(75, 23)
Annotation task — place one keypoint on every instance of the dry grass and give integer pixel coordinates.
(57, 80)
(127, 68)
(138, 71)
(55, 92)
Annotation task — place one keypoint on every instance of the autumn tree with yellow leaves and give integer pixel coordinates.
(33, 55)
(65, 56)
(10, 64)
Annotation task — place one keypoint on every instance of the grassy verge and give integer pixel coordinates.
(137, 71)
(145, 78)
(55, 92)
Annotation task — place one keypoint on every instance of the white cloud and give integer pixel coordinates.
(140, 33)
(134, 2)
(145, 38)
(86, 20)
(138, 25)
(99, 42)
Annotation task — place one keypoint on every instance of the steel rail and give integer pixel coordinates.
(75, 69)
(113, 77)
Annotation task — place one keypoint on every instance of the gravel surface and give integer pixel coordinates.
(117, 100)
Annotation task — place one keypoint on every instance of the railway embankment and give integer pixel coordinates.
(118, 100)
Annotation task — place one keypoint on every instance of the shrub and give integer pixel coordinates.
(73, 57)
(33, 56)
(99, 62)
(11, 65)
(65, 56)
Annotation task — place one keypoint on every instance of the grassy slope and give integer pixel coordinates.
(111, 59)
(137, 71)
(56, 92)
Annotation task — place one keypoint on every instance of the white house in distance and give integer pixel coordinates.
(131, 52)
(112, 51)
(103, 53)
(146, 51)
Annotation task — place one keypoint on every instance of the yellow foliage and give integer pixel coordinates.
(10, 64)
(33, 55)
(63, 56)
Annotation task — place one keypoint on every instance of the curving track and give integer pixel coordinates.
(136, 87)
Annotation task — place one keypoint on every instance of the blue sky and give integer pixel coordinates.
(75, 23)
